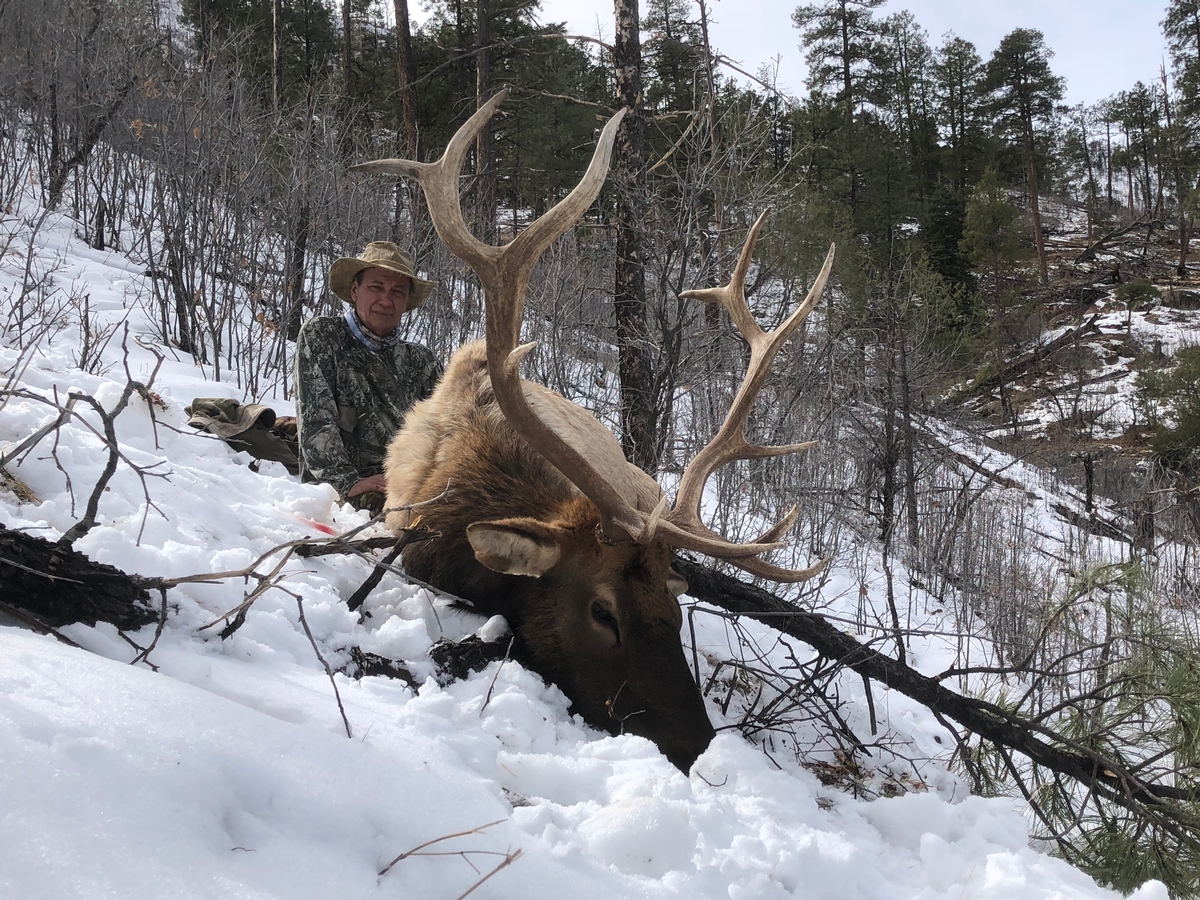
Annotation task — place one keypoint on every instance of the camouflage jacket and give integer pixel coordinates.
(350, 400)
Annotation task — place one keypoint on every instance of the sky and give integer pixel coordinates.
(1100, 46)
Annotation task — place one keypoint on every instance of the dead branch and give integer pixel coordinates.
(36, 624)
(508, 861)
(58, 585)
(317, 650)
(1090, 252)
(1105, 775)
(1025, 362)
(416, 851)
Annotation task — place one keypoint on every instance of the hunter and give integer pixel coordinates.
(355, 378)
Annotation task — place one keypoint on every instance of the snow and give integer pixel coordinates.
(223, 768)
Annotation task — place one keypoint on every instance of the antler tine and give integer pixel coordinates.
(439, 180)
(535, 239)
(683, 523)
(763, 569)
(504, 273)
(733, 295)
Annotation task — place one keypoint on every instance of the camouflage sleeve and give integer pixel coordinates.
(323, 455)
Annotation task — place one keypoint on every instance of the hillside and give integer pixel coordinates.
(236, 766)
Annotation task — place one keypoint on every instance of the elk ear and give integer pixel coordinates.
(676, 584)
(515, 546)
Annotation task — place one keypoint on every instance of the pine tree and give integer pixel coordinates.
(959, 92)
(1024, 92)
(991, 242)
(1181, 26)
(841, 41)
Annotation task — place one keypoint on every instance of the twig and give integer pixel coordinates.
(108, 438)
(328, 671)
(36, 624)
(415, 851)
(508, 861)
(488, 698)
(17, 565)
(357, 598)
(162, 621)
(34, 438)
(266, 582)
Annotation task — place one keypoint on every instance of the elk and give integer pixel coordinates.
(534, 512)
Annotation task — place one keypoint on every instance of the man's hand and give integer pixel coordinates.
(374, 483)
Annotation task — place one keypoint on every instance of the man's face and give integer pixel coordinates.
(380, 298)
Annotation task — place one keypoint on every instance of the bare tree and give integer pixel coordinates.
(639, 417)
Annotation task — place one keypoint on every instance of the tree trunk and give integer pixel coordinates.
(408, 192)
(1034, 207)
(909, 445)
(58, 585)
(993, 723)
(406, 76)
(1108, 160)
(347, 69)
(1185, 238)
(294, 263)
(639, 422)
(485, 166)
(276, 57)
(848, 103)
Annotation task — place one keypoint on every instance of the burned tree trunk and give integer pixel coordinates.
(58, 585)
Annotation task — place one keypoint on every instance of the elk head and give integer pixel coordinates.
(609, 635)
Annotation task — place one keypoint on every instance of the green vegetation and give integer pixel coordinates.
(1173, 403)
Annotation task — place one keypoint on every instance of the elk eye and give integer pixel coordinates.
(601, 614)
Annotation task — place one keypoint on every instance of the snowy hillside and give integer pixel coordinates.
(223, 767)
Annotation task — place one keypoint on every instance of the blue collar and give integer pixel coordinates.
(370, 340)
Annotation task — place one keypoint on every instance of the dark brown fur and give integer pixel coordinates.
(601, 623)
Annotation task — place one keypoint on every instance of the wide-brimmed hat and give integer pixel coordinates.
(385, 255)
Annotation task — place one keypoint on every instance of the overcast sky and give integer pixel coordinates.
(1100, 46)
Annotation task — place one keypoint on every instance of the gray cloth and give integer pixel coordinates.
(243, 426)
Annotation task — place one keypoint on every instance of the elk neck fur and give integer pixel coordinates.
(456, 464)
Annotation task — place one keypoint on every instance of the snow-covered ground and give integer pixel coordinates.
(223, 768)
(1097, 396)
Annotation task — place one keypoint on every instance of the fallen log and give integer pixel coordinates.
(987, 720)
(58, 585)
(1023, 363)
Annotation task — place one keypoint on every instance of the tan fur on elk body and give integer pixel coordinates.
(599, 619)
(534, 511)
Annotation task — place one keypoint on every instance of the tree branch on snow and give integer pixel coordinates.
(68, 411)
(420, 850)
(1102, 773)
(317, 650)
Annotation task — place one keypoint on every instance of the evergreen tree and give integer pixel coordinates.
(543, 139)
(1181, 26)
(673, 65)
(1137, 112)
(1024, 92)
(959, 92)
(841, 41)
(303, 35)
(1084, 157)
(991, 242)
(1174, 395)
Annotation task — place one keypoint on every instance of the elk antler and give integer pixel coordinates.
(681, 527)
(558, 429)
(567, 436)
